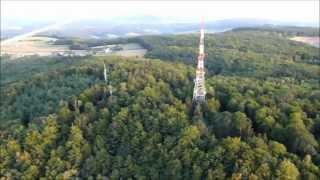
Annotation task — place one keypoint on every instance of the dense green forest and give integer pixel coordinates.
(261, 119)
(284, 30)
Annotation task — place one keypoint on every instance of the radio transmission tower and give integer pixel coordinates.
(199, 91)
(105, 72)
(106, 79)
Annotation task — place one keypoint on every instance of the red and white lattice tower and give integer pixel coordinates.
(199, 91)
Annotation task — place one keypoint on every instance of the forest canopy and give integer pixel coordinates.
(60, 119)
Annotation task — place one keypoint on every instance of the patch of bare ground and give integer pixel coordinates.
(313, 41)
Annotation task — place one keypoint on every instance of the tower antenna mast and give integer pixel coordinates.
(199, 91)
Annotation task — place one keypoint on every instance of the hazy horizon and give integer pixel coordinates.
(298, 12)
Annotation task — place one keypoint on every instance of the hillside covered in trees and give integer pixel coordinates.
(260, 121)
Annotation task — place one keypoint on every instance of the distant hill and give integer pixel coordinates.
(285, 30)
(124, 27)
(136, 25)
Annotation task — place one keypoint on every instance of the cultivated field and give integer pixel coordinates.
(131, 49)
(43, 46)
(313, 41)
(128, 50)
(32, 46)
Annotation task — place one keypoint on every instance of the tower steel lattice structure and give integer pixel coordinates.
(199, 91)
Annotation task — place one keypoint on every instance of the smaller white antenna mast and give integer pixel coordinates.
(105, 72)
